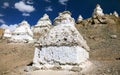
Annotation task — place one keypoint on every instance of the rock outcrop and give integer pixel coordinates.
(22, 33)
(61, 45)
(42, 26)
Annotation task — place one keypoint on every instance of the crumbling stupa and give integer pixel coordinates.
(64, 18)
(7, 33)
(62, 45)
(98, 11)
(80, 18)
(42, 26)
(115, 14)
(98, 16)
(22, 33)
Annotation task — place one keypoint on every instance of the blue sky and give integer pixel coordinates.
(14, 11)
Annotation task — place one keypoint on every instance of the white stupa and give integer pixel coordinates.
(115, 14)
(111, 14)
(61, 45)
(42, 26)
(64, 18)
(80, 18)
(22, 33)
(7, 33)
(98, 11)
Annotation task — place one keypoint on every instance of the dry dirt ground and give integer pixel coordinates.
(13, 56)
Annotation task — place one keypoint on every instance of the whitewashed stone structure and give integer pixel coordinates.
(42, 27)
(115, 14)
(7, 33)
(62, 45)
(98, 11)
(22, 33)
(80, 18)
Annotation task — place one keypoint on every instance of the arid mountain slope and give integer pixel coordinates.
(102, 35)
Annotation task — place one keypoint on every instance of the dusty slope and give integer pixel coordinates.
(103, 39)
(14, 55)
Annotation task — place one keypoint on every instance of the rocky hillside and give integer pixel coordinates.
(103, 36)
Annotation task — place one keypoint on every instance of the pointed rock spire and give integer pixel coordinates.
(64, 18)
(98, 11)
(115, 14)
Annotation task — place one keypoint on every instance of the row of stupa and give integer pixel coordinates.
(60, 44)
(23, 33)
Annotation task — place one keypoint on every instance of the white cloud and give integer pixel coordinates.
(47, 1)
(1, 15)
(21, 6)
(5, 5)
(2, 21)
(26, 14)
(11, 27)
(49, 8)
(63, 2)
